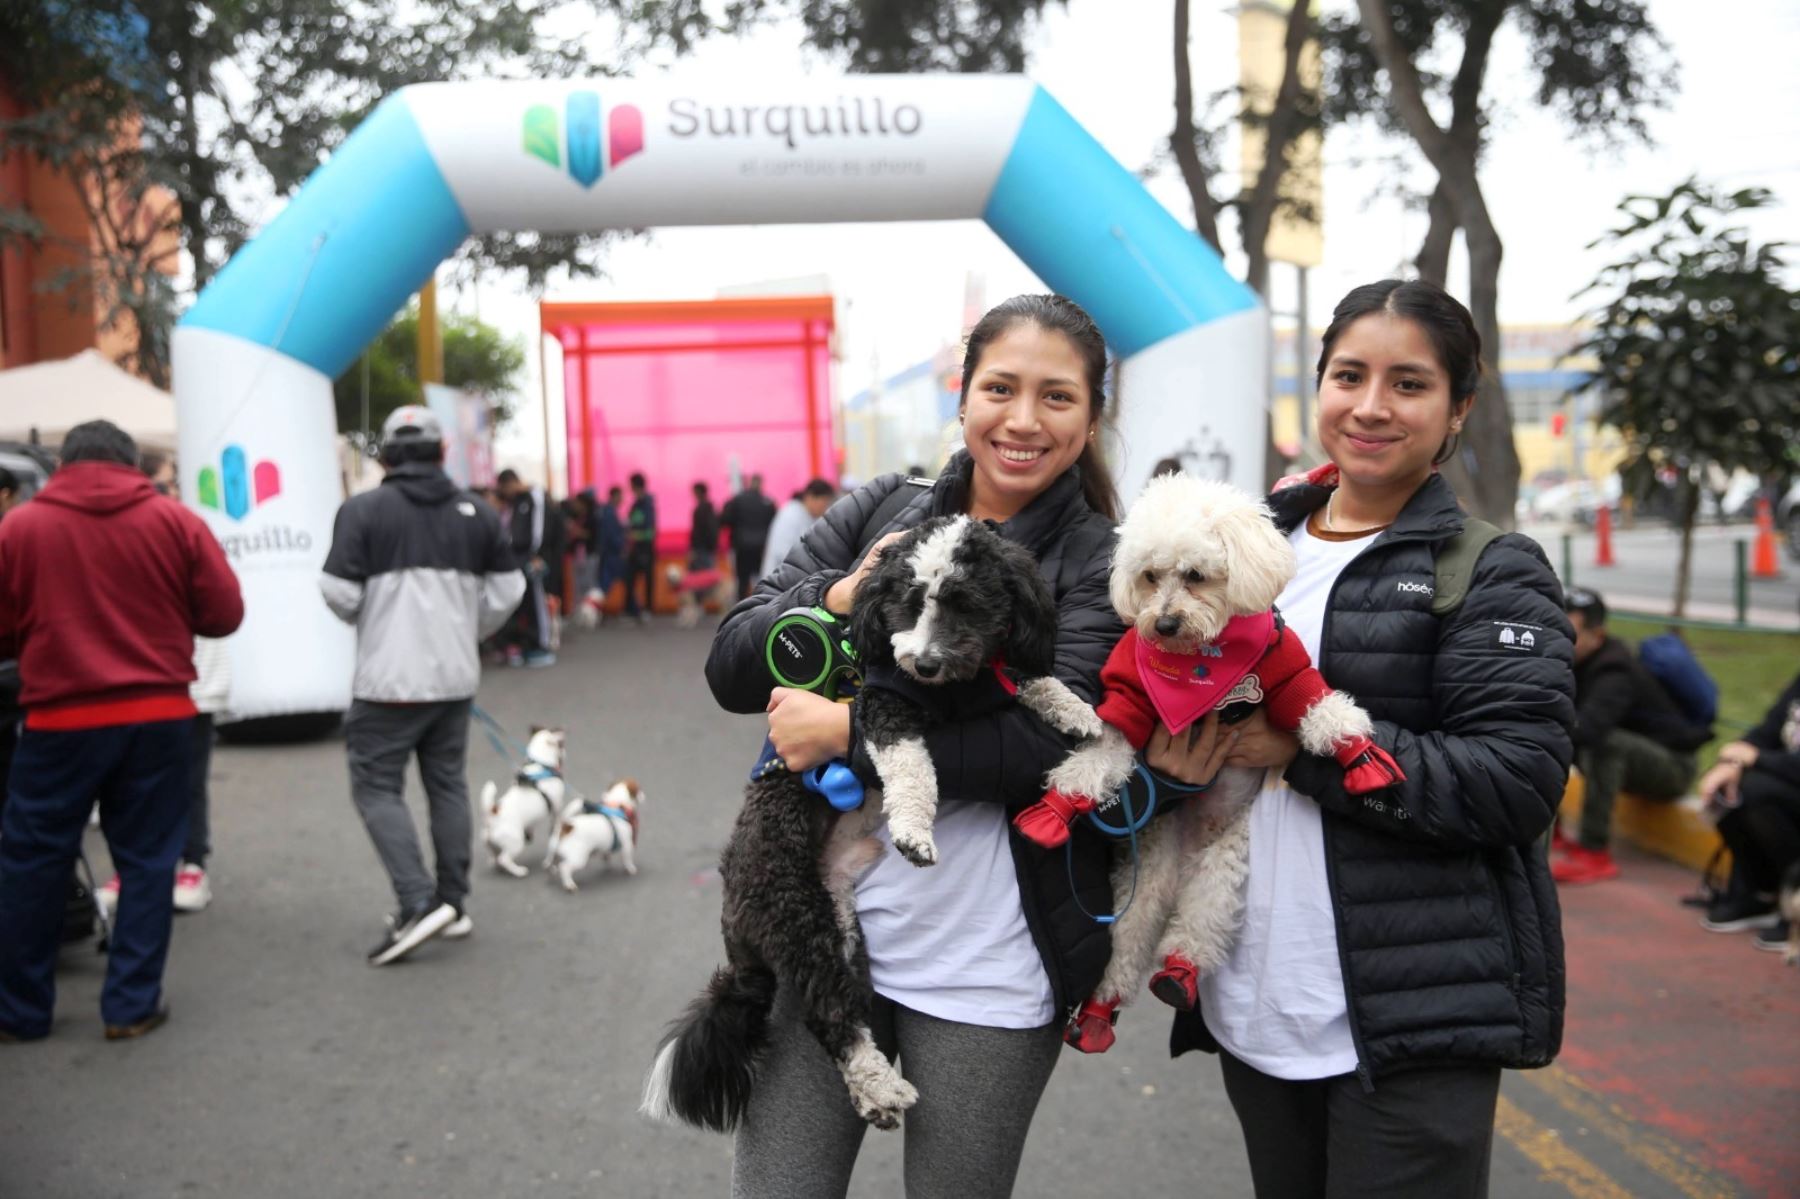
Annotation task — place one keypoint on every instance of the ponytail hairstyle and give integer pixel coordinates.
(1058, 314)
(1438, 314)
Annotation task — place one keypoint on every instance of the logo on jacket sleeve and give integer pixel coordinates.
(235, 488)
(581, 150)
(1518, 638)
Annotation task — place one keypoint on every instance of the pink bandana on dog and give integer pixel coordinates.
(1184, 687)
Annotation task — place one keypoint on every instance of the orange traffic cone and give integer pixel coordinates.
(1603, 555)
(1762, 562)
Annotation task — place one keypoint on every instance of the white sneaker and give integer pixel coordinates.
(459, 929)
(407, 933)
(192, 891)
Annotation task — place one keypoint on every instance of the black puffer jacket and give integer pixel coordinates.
(999, 757)
(1447, 921)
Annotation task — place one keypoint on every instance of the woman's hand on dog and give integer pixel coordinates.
(1261, 745)
(1193, 757)
(841, 594)
(807, 729)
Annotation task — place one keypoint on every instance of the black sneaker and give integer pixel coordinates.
(407, 932)
(1736, 913)
(1773, 938)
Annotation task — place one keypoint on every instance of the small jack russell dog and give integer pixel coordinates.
(608, 828)
(531, 804)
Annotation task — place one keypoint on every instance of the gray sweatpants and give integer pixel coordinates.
(978, 1089)
(380, 738)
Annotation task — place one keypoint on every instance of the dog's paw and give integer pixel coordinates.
(918, 848)
(513, 868)
(882, 1103)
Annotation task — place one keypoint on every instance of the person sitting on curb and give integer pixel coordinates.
(1629, 735)
(1755, 788)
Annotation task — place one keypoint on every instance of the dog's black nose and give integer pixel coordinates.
(927, 668)
(1167, 626)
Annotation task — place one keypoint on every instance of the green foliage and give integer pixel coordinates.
(477, 358)
(238, 98)
(867, 36)
(1697, 345)
(1751, 670)
(125, 258)
(1599, 64)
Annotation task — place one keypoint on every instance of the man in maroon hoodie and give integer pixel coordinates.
(103, 585)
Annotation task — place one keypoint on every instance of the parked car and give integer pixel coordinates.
(1579, 501)
(31, 465)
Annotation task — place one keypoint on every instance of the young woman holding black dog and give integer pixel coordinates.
(1397, 950)
(976, 962)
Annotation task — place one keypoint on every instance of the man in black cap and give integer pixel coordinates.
(424, 571)
(1629, 736)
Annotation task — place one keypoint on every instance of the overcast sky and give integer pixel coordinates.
(1735, 121)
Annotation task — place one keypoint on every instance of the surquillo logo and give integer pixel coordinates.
(234, 488)
(581, 149)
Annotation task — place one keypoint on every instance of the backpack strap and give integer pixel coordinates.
(1456, 565)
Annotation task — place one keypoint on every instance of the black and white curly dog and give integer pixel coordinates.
(940, 607)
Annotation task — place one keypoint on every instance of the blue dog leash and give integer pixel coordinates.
(1134, 823)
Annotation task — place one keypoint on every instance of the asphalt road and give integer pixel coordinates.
(1642, 577)
(510, 1064)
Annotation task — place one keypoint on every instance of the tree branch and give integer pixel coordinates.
(1182, 138)
(1286, 121)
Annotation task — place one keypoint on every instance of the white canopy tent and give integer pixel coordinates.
(54, 397)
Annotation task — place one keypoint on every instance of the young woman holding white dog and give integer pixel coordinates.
(976, 962)
(1397, 949)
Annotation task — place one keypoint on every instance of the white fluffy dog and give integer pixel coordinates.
(535, 799)
(608, 828)
(1196, 573)
(591, 611)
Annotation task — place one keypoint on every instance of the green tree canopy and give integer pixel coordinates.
(233, 100)
(1696, 345)
(477, 358)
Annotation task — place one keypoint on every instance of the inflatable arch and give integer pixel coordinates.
(255, 357)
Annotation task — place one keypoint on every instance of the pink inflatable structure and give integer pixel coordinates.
(683, 391)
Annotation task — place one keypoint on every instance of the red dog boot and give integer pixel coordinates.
(1177, 983)
(1047, 821)
(1091, 1028)
(1367, 766)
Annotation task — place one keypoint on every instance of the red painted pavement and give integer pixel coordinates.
(1693, 1033)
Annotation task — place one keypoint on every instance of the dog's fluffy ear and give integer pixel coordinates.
(869, 631)
(1258, 558)
(1031, 638)
(535, 730)
(1121, 584)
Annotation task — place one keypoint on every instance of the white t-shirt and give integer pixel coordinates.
(1277, 1002)
(950, 940)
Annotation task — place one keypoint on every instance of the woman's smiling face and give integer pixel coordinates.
(1385, 407)
(1026, 417)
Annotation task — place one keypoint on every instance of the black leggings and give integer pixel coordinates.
(1425, 1133)
(1763, 831)
(978, 1089)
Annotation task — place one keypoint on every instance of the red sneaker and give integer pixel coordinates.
(1177, 983)
(1091, 1031)
(1560, 844)
(1583, 865)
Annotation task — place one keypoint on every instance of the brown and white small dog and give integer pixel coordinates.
(608, 828)
(530, 805)
(695, 590)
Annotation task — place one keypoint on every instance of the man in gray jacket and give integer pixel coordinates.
(424, 571)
